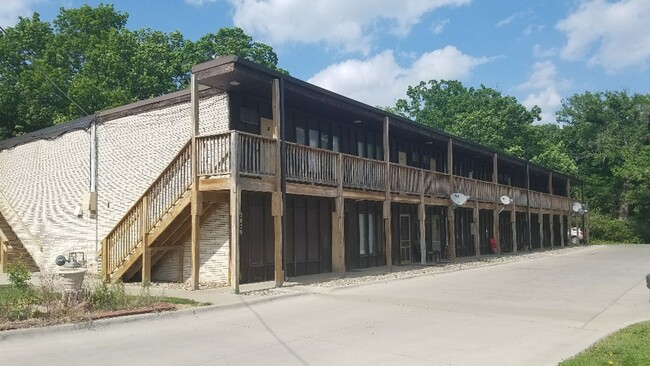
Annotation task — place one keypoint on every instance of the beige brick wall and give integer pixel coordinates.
(214, 252)
(44, 180)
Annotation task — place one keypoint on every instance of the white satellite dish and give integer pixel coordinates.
(505, 200)
(577, 207)
(459, 199)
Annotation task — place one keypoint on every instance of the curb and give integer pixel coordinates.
(103, 323)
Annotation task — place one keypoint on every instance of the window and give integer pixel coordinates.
(336, 139)
(361, 151)
(300, 135)
(313, 138)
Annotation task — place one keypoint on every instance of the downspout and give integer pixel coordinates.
(283, 175)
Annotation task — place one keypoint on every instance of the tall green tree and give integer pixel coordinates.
(608, 134)
(486, 116)
(88, 54)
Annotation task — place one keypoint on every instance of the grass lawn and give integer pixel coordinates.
(629, 346)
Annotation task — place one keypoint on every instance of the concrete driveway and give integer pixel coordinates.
(531, 312)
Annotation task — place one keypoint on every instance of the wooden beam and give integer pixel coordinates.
(195, 193)
(562, 232)
(106, 276)
(277, 194)
(235, 211)
(451, 224)
(495, 230)
(214, 184)
(550, 183)
(311, 190)
(364, 195)
(513, 222)
(552, 228)
(338, 222)
(540, 218)
(387, 212)
(530, 227)
(265, 184)
(477, 243)
(422, 219)
(144, 231)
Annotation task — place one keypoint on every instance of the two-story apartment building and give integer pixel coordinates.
(253, 175)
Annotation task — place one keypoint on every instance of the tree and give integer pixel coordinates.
(487, 117)
(89, 55)
(608, 134)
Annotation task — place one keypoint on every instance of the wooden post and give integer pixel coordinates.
(562, 233)
(451, 224)
(422, 220)
(540, 218)
(3, 254)
(495, 213)
(195, 196)
(550, 217)
(105, 261)
(530, 226)
(338, 221)
(277, 195)
(451, 209)
(551, 221)
(235, 211)
(585, 223)
(477, 226)
(387, 213)
(513, 223)
(144, 231)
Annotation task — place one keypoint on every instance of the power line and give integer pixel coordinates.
(50, 80)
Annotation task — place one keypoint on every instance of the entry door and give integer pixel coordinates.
(405, 238)
(435, 233)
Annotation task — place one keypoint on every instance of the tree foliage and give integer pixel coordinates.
(486, 116)
(608, 134)
(90, 55)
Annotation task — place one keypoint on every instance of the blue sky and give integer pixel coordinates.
(371, 50)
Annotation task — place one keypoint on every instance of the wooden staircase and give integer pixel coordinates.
(155, 220)
(12, 249)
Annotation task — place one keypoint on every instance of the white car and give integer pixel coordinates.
(576, 235)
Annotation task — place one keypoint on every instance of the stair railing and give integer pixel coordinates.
(170, 186)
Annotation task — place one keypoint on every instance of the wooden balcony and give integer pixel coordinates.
(321, 171)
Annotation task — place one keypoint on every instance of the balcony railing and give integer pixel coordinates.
(304, 164)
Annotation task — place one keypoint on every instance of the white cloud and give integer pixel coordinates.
(539, 52)
(611, 35)
(438, 26)
(342, 24)
(10, 10)
(380, 80)
(544, 90)
(518, 15)
(199, 2)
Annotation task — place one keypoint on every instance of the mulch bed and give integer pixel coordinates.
(85, 316)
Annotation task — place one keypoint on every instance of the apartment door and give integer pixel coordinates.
(405, 238)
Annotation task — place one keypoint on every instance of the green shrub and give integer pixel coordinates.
(19, 275)
(605, 229)
(106, 296)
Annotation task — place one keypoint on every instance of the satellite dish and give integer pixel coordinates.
(577, 207)
(505, 200)
(60, 260)
(459, 199)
